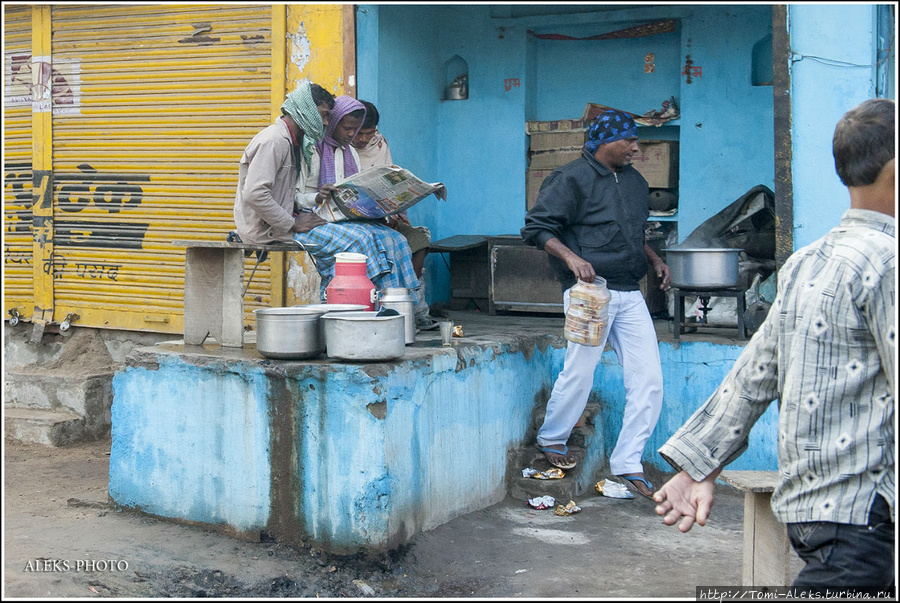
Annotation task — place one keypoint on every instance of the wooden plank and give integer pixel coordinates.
(250, 246)
(751, 481)
(766, 547)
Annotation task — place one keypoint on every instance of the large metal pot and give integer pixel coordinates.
(364, 336)
(288, 333)
(694, 268)
(326, 308)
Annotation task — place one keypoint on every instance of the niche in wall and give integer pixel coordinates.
(456, 79)
(761, 62)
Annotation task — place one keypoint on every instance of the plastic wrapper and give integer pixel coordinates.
(542, 502)
(613, 489)
(568, 509)
(458, 331)
(554, 473)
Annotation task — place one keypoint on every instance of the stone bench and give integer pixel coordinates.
(767, 549)
(214, 288)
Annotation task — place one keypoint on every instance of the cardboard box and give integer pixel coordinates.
(658, 162)
(559, 139)
(548, 160)
(555, 147)
(532, 127)
(533, 181)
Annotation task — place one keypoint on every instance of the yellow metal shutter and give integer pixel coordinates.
(18, 282)
(152, 108)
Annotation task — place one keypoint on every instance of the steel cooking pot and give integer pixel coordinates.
(695, 268)
(288, 333)
(324, 309)
(364, 336)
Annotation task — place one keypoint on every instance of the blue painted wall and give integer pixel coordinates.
(192, 444)
(478, 147)
(351, 456)
(829, 76)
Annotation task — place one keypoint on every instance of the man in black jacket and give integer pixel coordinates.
(590, 217)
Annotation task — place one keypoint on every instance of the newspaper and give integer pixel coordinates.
(376, 192)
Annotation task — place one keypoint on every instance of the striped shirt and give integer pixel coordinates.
(827, 351)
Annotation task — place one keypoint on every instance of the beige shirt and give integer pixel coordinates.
(376, 152)
(267, 177)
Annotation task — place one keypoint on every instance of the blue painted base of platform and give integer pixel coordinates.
(352, 456)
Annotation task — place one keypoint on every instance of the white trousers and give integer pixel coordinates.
(633, 338)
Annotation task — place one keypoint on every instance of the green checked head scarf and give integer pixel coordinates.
(301, 107)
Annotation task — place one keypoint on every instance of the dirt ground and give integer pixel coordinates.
(63, 540)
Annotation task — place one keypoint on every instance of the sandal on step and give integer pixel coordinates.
(634, 483)
(565, 463)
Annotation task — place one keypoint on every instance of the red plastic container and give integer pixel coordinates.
(350, 284)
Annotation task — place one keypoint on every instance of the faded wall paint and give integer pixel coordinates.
(192, 444)
(351, 456)
(315, 50)
(316, 46)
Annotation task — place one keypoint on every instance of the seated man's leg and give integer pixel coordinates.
(419, 239)
(389, 261)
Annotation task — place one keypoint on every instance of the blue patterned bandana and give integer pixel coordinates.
(607, 127)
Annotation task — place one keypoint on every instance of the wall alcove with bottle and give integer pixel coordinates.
(456, 79)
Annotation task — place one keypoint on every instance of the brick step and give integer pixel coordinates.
(48, 427)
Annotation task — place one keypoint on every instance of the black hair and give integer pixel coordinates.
(864, 141)
(371, 120)
(357, 113)
(321, 95)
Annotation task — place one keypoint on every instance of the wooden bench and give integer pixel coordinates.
(767, 549)
(214, 288)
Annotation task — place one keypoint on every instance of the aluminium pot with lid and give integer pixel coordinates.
(703, 268)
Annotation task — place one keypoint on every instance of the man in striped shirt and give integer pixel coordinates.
(826, 351)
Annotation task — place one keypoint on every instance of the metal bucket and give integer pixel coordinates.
(362, 336)
(288, 333)
(714, 268)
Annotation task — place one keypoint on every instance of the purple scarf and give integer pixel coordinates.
(342, 106)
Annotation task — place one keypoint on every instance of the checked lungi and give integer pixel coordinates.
(389, 262)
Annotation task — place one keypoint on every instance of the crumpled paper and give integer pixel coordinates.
(613, 489)
(554, 473)
(568, 509)
(542, 502)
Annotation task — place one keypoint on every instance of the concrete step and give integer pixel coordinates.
(524, 488)
(65, 407)
(48, 427)
(80, 394)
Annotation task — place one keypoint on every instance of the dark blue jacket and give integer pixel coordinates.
(597, 213)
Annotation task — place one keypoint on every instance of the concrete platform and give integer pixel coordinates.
(364, 456)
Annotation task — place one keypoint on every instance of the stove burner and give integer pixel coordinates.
(704, 296)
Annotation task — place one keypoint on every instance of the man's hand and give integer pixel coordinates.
(582, 269)
(663, 272)
(683, 498)
(306, 221)
(324, 193)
